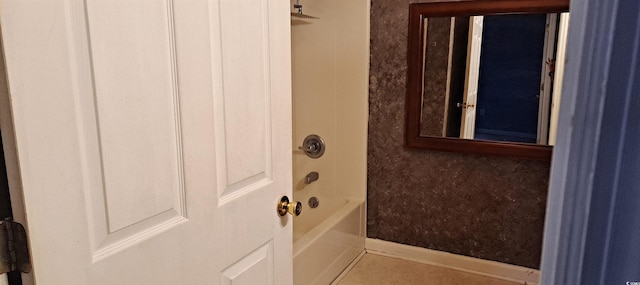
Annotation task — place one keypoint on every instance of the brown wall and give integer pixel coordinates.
(486, 207)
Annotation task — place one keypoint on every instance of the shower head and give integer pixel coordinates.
(299, 14)
(302, 16)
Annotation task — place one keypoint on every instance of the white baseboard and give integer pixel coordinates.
(473, 265)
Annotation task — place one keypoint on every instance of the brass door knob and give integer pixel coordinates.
(293, 208)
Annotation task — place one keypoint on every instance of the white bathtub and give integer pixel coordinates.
(321, 252)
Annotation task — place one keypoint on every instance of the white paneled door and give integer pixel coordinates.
(153, 137)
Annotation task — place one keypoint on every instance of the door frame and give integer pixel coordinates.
(549, 56)
(10, 155)
(474, 48)
(589, 218)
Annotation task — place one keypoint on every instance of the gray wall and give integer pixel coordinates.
(480, 206)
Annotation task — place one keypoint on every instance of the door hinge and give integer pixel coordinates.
(14, 252)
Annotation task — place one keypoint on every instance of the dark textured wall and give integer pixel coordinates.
(481, 206)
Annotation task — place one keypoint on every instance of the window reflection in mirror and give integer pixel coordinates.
(492, 77)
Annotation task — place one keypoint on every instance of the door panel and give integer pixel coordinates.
(246, 97)
(132, 56)
(255, 268)
(133, 123)
(153, 138)
(245, 88)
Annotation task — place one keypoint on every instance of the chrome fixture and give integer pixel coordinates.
(312, 176)
(314, 202)
(313, 146)
(298, 6)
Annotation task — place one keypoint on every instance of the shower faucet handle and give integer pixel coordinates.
(293, 208)
(313, 146)
(309, 148)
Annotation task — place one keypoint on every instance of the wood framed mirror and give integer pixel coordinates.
(441, 116)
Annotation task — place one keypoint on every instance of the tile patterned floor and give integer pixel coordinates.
(375, 269)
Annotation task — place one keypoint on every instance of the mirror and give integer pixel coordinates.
(481, 76)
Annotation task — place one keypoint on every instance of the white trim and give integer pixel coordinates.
(549, 53)
(467, 264)
(561, 58)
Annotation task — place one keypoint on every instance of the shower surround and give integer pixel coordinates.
(330, 61)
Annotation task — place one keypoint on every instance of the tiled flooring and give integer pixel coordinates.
(375, 269)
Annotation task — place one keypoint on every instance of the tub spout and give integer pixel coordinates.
(312, 176)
